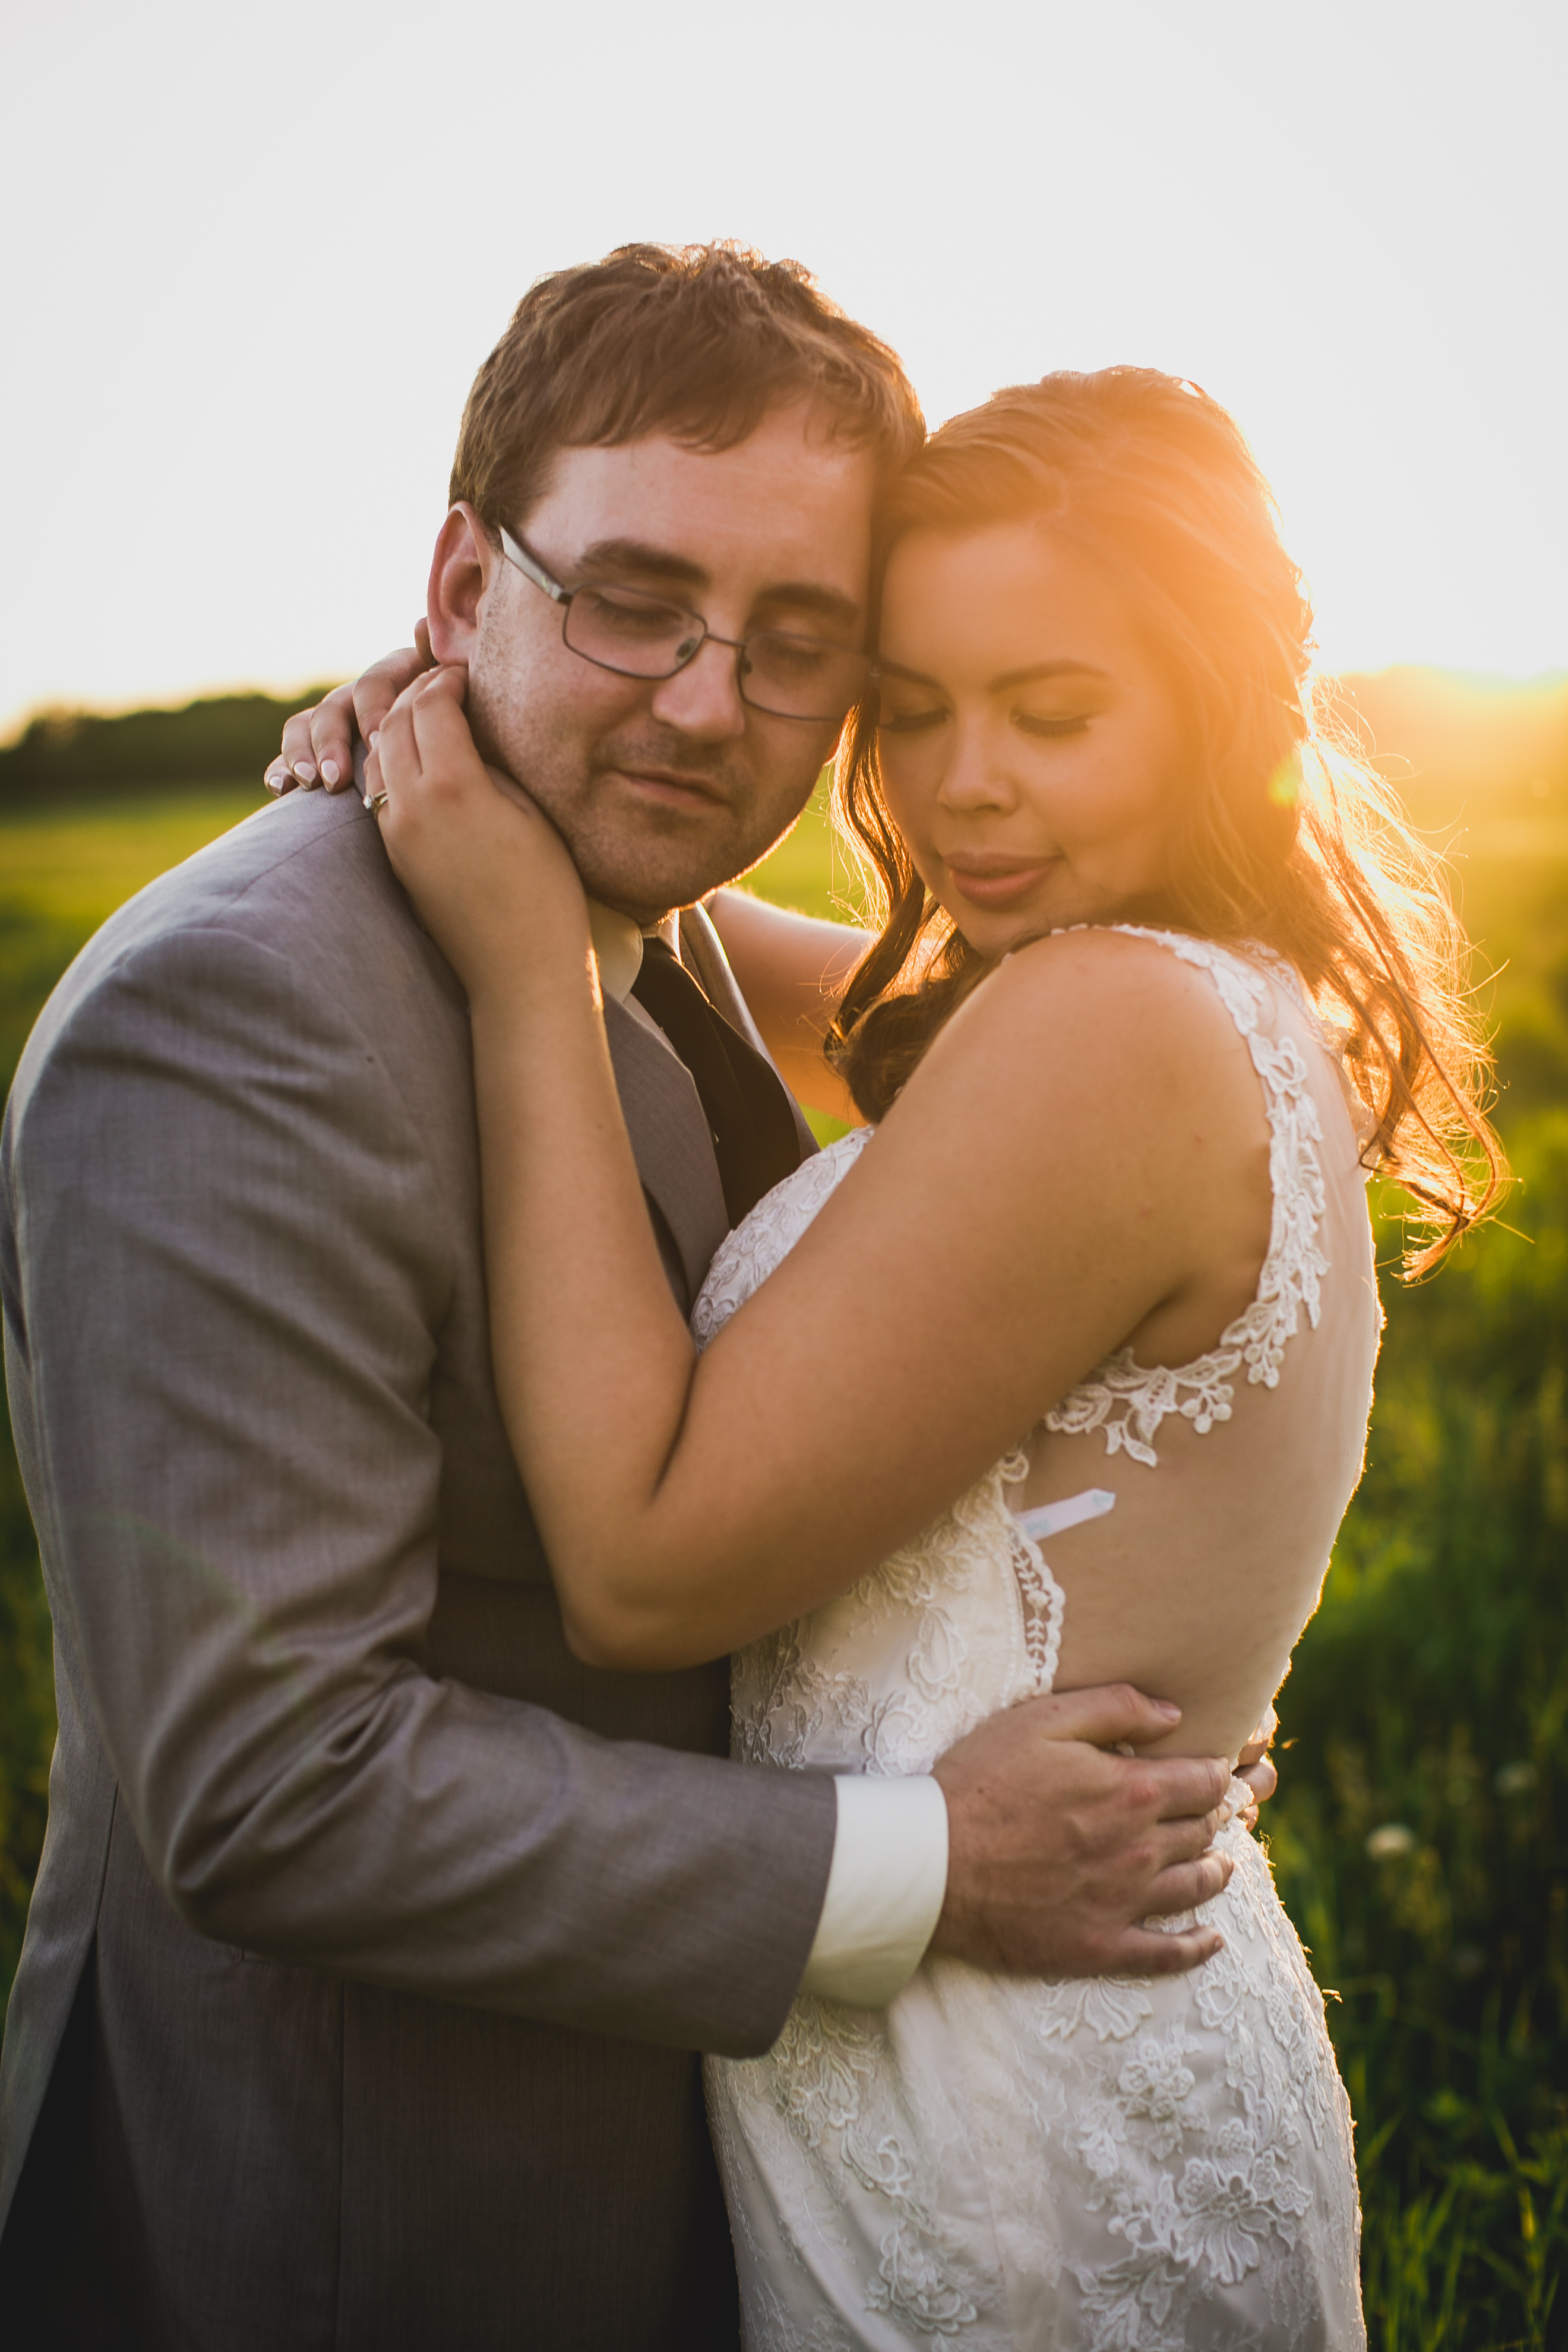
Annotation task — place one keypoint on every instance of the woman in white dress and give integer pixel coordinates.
(1056, 1372)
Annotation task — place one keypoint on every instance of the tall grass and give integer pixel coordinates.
(1418, 1839)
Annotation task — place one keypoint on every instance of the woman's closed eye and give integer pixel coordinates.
(910, 721)
(1052, 723)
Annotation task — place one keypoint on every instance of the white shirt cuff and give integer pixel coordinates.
(885, 1889)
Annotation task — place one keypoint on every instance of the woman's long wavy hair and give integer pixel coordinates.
(1287, 839)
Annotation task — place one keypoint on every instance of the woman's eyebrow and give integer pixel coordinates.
(1012, 677)
(1003, 685)
(914, 677)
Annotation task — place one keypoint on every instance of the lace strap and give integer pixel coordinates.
(1130, 1400)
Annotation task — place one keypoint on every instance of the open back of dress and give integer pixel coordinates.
(1124, 2166)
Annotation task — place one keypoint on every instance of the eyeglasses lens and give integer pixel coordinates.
(801, 677)
(636, 635)
(640, 637)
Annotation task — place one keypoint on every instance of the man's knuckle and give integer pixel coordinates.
(1077, 1833)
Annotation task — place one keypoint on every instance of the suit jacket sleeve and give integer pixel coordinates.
(231, 1264)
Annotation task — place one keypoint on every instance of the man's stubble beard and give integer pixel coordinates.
(646, 861)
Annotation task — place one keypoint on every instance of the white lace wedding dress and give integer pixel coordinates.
(1138, 2164)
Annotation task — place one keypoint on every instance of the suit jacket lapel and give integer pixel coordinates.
(670, 1141)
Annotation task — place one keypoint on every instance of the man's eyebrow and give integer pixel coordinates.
(812, 596)
(636, 555)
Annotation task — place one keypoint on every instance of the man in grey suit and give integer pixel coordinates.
(376, 1935)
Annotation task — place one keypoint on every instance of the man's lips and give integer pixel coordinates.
(988, 879)
(675, 789)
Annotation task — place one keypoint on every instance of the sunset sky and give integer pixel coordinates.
(253, 257)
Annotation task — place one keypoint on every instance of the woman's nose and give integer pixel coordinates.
(973, 777)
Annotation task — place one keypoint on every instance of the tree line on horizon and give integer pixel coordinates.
(74, 756)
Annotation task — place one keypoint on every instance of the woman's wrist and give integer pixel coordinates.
(509, 1000)
(559, 985)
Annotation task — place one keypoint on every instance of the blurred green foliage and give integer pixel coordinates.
(1420, 1836)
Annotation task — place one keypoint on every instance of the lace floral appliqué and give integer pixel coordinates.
(1128, 1399)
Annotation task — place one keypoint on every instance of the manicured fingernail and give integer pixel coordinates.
(273, 778)
(374, 738)
(328, 772)
(306, 772)
(1168, 1709)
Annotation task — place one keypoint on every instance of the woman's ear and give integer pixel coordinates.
(460, 573)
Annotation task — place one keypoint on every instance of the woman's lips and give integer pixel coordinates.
(997, 884)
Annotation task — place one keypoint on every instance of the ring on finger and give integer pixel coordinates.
(375, 803)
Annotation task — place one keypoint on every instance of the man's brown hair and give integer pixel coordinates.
(699, 341)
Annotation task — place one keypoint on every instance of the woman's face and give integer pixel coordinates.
(1031, 747)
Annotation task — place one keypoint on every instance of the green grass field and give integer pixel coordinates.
(1421, 1833)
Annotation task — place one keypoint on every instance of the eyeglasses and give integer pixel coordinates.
(635, 635)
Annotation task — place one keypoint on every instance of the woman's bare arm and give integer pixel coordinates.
(793, 969)
(1020, 1213)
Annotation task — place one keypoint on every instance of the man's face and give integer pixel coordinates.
(665, 788)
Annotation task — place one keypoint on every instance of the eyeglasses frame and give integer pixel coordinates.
(531, 569)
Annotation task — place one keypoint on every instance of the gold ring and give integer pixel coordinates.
(375, 803)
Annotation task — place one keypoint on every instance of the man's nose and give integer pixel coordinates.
(704, 698)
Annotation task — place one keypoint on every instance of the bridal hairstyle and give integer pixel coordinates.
(1286, 840)
(699, 340)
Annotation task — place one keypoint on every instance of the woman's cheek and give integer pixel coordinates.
(923, 856)
(905, 803)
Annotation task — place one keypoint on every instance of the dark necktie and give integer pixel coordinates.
(755, 1138)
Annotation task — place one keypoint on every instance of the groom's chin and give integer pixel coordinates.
(644, 860)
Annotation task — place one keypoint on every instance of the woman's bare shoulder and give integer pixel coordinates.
(1084, 1050)
(1100, 997)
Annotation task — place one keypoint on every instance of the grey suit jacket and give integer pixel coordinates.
(378, 1932)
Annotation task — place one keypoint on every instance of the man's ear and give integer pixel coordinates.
(460, 573)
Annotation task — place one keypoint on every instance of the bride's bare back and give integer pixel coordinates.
(1231, 1472)
(1207, 1491)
